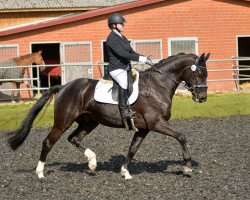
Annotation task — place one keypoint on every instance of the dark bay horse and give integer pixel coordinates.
(75, 103)
(17, 73)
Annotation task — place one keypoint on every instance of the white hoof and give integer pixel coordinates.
(91, 159)
(125, 173)
(40, 175)
(39, 169)
(187, 170)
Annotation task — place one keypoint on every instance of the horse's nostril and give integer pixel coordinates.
(202, 99)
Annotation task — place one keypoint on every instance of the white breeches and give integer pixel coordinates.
(121, 77)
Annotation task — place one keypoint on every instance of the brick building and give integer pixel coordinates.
(155, 27)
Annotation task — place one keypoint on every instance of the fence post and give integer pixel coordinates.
(38, 80)
(235, 74)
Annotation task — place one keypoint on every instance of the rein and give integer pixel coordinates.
(169, 77)
(192, 89)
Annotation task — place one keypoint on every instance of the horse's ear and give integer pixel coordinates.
(40, 52)
(206, 57)
(200, 59)
(202, 56)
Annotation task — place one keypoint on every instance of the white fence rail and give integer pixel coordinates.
(236, 69)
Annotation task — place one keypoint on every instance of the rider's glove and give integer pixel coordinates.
(143, 59)
(149, 61)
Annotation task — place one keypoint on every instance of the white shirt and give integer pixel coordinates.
(117, 32)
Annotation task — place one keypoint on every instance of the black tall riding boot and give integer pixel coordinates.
(126, 112)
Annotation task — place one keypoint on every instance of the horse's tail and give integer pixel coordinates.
(23, 131)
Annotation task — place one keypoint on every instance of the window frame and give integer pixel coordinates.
(62, 52)
(133, 44)
(182, 39)
(11, 46)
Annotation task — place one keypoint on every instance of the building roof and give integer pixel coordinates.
(80, 16)
(77, 17)
(38, 5)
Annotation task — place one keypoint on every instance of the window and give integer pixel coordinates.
(77, 53)
(243, 43)
(152, 48)
(182, 45)
(8, 51)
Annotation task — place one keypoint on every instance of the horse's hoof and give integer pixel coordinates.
(125, 173)
(39, 169)
(92, 166)
(187, 171)
(91, 159)
(40, 175)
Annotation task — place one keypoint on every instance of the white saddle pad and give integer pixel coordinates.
(103, 91)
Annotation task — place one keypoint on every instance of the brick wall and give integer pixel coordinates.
(215, 23)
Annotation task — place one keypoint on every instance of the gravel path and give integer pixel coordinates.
(219, 148)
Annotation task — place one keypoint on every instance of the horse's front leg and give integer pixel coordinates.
(162, 126)
(13, 86)
(135, 144)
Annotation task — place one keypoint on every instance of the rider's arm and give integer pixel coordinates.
(115, 46)
(133, 51)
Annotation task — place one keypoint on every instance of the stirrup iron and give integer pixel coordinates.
(133, 125)
(126, 124)
(132, 121)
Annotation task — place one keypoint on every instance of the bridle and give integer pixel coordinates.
(196, 88)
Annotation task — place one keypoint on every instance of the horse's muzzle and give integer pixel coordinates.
(199, 93)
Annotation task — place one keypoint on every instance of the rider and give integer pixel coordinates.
(120, 53)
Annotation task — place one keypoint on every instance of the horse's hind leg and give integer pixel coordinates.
(135, 144)
(76, 137)
(48, 143)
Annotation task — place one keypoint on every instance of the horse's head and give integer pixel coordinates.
(38, 60)
(195, 76)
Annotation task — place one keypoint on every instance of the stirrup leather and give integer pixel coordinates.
(127, 113)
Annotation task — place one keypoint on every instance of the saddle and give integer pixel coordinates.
(106, 93)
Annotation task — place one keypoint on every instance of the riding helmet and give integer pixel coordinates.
(115, 18)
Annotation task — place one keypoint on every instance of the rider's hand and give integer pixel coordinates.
(143, 59)
(149, 61)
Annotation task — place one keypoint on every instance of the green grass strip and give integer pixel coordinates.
(217, 105)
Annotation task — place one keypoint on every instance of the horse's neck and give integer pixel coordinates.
(161, 84)
(24, 60)
(170, 83)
